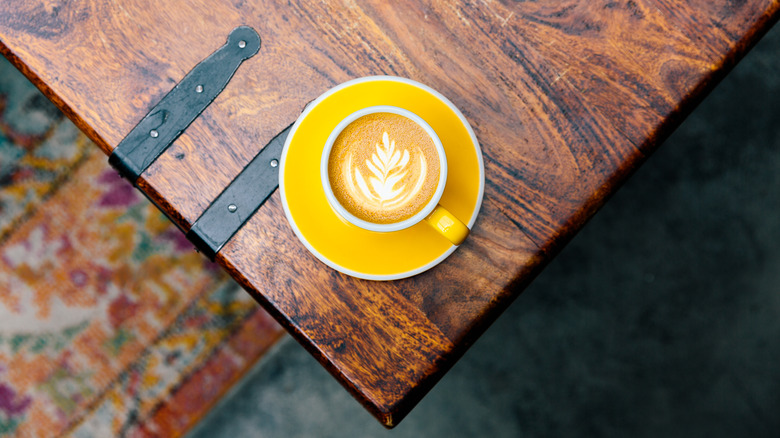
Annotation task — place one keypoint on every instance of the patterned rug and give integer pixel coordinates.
(110, 323)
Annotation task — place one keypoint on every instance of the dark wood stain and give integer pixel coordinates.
(567, 98)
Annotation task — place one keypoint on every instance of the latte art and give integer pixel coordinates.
(383, 168)
(388, 166)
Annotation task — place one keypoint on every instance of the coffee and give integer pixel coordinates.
(383, 168)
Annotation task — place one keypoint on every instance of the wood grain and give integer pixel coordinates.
(567, 99)
(418, 325)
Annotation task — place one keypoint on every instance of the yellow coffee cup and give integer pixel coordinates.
(397, 187)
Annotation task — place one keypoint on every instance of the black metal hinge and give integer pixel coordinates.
(240, 199)
(174, 113)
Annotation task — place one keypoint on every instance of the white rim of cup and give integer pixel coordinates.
(370, 226)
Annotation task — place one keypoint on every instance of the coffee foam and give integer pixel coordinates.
(383, 168)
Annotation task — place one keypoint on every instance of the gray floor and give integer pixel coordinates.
(661, 318)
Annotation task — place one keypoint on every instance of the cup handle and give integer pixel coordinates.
(448, 225)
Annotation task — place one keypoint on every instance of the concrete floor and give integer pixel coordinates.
(661, 318)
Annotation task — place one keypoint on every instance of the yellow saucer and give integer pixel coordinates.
(343, 246)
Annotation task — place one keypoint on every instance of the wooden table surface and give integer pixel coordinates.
(566, 97)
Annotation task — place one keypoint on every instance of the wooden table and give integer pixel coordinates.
(567, 98)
